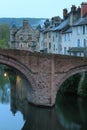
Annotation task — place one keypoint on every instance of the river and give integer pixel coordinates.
(69, 113)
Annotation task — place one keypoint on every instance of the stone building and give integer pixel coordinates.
(25, 37)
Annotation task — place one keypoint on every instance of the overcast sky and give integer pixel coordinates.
(35, 8)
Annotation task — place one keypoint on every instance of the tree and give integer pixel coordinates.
(4, 35)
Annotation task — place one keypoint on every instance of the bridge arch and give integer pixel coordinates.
(70, 73)
(14, 63)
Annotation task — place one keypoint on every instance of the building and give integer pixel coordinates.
(47, 36)
(25, 37)
(76, 35)
(66, 36)
(54, 33)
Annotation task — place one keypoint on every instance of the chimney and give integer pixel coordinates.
(73, 9)
(83, 8)
(79, 9)
(65, 13)
(75, 14)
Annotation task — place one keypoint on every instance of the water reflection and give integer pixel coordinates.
(36, 118)
(4, 86)
(5, 94)
(7, 119)
(69, 112)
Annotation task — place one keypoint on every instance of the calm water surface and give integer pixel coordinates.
(69, 113)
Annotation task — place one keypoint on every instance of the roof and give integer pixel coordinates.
(48, 29)
(69, 30)
(77, 49)
(80, 21)
(61, 25)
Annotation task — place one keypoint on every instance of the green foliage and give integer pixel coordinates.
(71, 84)
(82, 88)
(76, 84)
(3, 44)
(4, 36)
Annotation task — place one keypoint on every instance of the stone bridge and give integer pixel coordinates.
(45, 72)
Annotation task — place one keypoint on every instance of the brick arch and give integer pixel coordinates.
(70, 73)
(14, 63)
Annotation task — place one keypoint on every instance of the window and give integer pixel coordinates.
(65, 50)
(45, 35)
(78, 43)
(68, 37)
(21, 45)
(78, 30)
(28, 46)
(84, 29)
(21, 38)
(56, 34)
(17, 44)
(29, 37)
(49, 45)
(84, 42)
(74, 53)
(49, 34)
(54, 47)
(65, 37)
(53, 38)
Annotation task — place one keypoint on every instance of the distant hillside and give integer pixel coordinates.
(34, 22)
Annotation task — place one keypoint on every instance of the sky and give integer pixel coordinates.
(36, 8)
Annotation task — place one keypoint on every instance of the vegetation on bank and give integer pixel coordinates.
(76, 84)
(82, 87)
(4, 36)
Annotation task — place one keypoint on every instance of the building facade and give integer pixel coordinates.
(68, 36)
(25, 38)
